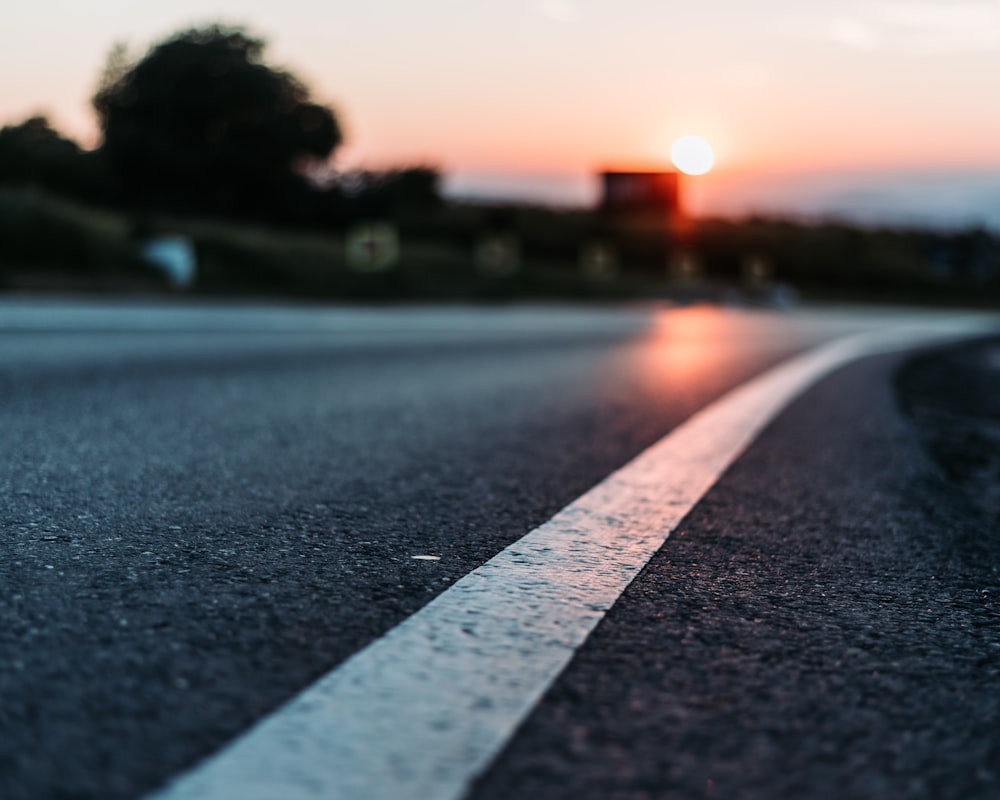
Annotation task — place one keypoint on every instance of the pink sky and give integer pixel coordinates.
(519, 95)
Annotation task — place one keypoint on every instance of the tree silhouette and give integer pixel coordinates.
(201, 122)
(33, 153)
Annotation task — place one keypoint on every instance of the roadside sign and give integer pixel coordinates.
(372, 247)
(599, 261)
(498, 255)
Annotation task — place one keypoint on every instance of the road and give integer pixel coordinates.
(209, 507)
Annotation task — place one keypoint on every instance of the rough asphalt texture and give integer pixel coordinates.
(825, 624)
(953, 397)
(196, 526)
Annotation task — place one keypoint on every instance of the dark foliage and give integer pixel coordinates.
(393, 192)
(201, 123)
(33, 153)
(885, 263)
(49, 242)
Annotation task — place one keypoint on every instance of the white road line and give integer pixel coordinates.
(423, 710)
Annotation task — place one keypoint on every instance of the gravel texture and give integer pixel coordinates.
(952, 395)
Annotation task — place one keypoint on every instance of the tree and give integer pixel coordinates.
(33, 153)
(393, 191)
(201, 122)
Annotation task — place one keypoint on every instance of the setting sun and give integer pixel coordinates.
(692, 155)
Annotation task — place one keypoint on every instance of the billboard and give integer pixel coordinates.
(645, 193)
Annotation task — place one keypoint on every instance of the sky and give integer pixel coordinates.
(882, 111)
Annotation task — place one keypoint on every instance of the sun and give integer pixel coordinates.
(692, 155)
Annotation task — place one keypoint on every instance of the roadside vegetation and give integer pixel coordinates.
(206, 144)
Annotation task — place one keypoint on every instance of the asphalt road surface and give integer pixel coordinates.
(207, 508)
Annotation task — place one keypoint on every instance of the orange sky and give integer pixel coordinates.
(564, 87)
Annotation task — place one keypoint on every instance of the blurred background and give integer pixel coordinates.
(500, 150)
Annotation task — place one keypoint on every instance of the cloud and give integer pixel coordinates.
(558, 10)
(925, 28)
(854, 33)
(914, 27)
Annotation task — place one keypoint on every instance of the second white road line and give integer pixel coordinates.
(421, 712)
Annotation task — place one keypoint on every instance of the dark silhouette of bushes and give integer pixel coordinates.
(392, 192)
(47, 242)
(34, 154)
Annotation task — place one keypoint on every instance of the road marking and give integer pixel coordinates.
(424, 709)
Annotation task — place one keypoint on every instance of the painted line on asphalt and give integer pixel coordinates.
(424, 709)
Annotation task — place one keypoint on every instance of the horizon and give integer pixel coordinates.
(871, 112)
(939, 199)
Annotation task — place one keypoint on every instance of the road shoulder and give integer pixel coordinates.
(952, 397)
